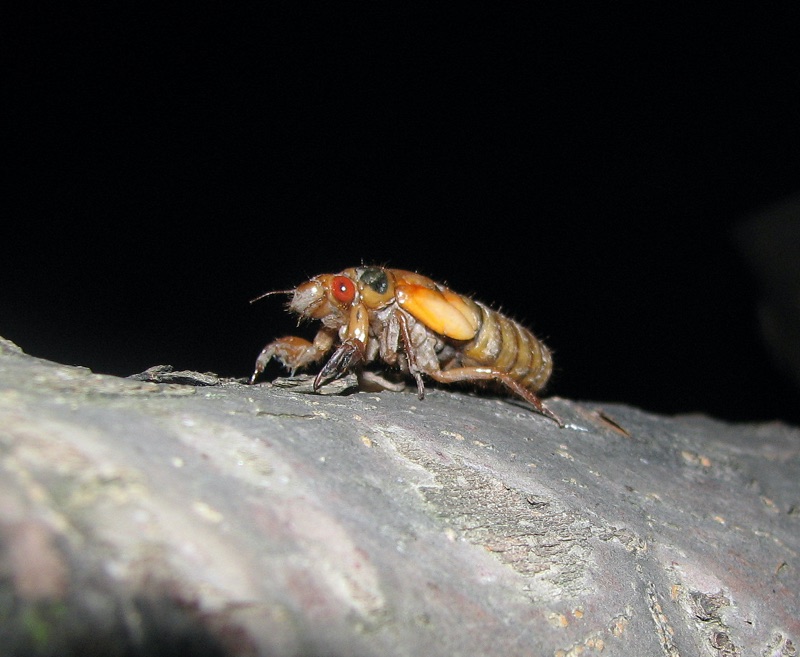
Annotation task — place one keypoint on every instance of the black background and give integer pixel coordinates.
(583, 172)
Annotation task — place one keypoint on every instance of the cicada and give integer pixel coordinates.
(414, 324)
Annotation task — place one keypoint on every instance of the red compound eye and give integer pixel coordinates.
(344, 289)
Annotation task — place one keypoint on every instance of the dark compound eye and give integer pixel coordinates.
(343, 289)
(376, 279)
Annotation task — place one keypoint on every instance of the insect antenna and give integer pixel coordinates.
(269, 294)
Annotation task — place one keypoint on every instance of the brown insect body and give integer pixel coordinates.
(410, 322)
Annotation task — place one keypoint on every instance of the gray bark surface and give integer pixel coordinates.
(177, 513)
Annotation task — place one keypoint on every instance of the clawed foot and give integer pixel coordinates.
(349, 354)
(291, 352)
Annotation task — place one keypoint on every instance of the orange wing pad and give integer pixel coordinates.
(444, 312)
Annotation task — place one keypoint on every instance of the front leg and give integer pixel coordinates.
(349, 354)
(293, 352)
(353, 349)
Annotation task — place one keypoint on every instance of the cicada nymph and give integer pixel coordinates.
(410, 322)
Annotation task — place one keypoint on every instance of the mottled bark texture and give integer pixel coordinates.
(178, 513)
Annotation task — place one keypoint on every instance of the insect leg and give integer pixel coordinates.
(410, 352)
(373, 381)
(487, 373)
(347, 355)
(293, 352)
(353, 349)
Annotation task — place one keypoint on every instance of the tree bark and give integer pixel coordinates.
(179, 512)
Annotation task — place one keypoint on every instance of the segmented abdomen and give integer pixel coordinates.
(505, 345)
